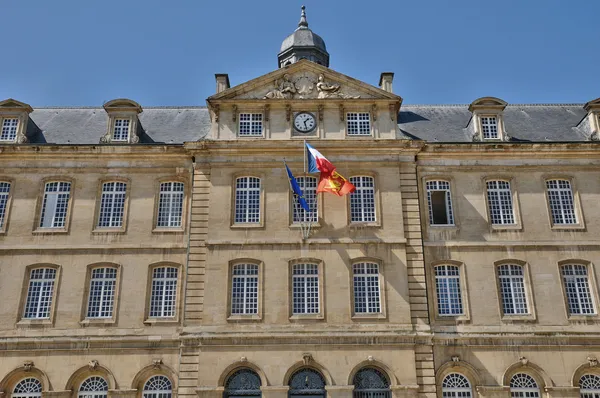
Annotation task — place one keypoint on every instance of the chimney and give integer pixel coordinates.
(385, 81)
(222, 82)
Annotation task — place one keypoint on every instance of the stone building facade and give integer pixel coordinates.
(156, 252)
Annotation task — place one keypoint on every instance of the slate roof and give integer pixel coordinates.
(433, 123)
(168, 125)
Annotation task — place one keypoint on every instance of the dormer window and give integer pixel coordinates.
(487, 123)
(14, 116)
(9, 129)
(591, 124)
(123, 124)
(121, 130)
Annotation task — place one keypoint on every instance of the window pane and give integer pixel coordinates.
(562, 206)
(112, 204)
(447, 284)
(366, 288)
(39, 293)
(439, 202)
(358, 123)
(308, 185)
(9, 129)
(4, 192)
(251, 124)
(102, 293)
(55, 204)
(489, 127)
(500, 202)
(305, 281)
(164, 292)
(121, 130)
(362, 201)
(247, 200)
(170, 205)
(244, 289)
(512, 288)
(577, 289)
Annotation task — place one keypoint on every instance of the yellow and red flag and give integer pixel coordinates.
(335, 183)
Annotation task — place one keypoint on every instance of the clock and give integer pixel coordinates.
(305, 122)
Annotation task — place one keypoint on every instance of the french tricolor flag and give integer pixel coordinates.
(317, 162)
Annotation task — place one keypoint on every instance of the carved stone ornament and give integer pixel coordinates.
(27, 365)
(392, 112)
(243, 359)
(303, 87)
(455, 360)
(216, 111)
(266, 110)
(506, 137)
(307, 358)
(234, 113)
(342, 113)
(93, 364)
(327, 90)
(524, 361)
(476, 137)
(370, 358)
(592, 361)
(134, 138)
(374, 112)
(21, 138)
(106, 138)
(594, 136)
(284, 89)
(156, 363)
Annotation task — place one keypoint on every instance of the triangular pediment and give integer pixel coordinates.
(13, 104)
(304, 80)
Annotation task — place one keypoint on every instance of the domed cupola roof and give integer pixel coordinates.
(303, 44)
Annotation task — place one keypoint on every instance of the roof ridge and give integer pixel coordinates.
(99, 107)
(467, 105)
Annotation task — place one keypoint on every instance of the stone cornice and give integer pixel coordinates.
(499, 244)
(39, 343)
(324, 241)
(508, 339)
(566, 149)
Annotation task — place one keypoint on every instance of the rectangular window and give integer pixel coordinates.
(305, 282)
(362, 201)
(4, 195)
(577, 289)
(40, 293)
(447, 288)
(55, 205)
(308, 185)
(439, 202)
(244, 289)
(247, 200)
(163, 298)
(358, 123)
(170, 205)
(500, 204)
(489, 127)
(251, 125)
(121, 130)
(112, 204)
(366, 288)
(9, 129)
(102, 293)
(562, 205)
(512, 289)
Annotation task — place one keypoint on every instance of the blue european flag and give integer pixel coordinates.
(296, 189)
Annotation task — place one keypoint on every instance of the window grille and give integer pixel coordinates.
(371, 383)
(577, 289)
(93, 387)
(158, 387)
(55, 204)
(305, 281)
(447, 286)
(247, 200)
(562, 205)
(9, 129)
(163, 297)
(512, 289)
(523, 386)
(439, 202)
(102, 293)
(308, 185)
(358, 123)
(500, 202)
(28, 388)
(243, 383)
(589, 386)
(456, 385)
(366, 288)
(112, 204)
(4, 193)
(170, 205)
(489, 127)
(307, 382)
(40, 293)
(121, 130)
(362, 201)
(244, 289)
(251, 124)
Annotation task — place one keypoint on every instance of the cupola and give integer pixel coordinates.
(303, 44)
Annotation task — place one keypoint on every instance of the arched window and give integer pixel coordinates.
(28, 388)
(523, 386)
(456, 385)
(589, 386)
(371, 383)
(307, 383)
(93, 387)
(243, 383)
(158, 387)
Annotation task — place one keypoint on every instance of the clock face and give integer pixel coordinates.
(305, 122)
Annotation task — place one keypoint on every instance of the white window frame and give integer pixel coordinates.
(299, 215)
(500, 203)
(121, 129)
(113, 201)
(363, 205)
(435, 185)
(30, 387)
(160, 392)
(41, 288)
(444, 281)
(244, 198)
(306, 289)
(586, 391)
(103, 279)
(490, 127)
(364, 278)
(9, 129)
(245, 283)
(358, 124)
(455, 391)
(528, 387)
(561, 214)
(164, 286)
(93, 387)
(576, 279)
(250, 124)
(56, 201)
(170, 205)
(5, 196)
(513, 289)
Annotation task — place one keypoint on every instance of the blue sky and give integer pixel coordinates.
(83, 53)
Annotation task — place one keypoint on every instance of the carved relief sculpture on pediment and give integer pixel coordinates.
(302, 86)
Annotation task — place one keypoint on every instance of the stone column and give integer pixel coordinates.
(274, 391)
(493, 391)
(339, 391)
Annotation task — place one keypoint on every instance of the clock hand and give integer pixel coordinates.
(305, 123)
